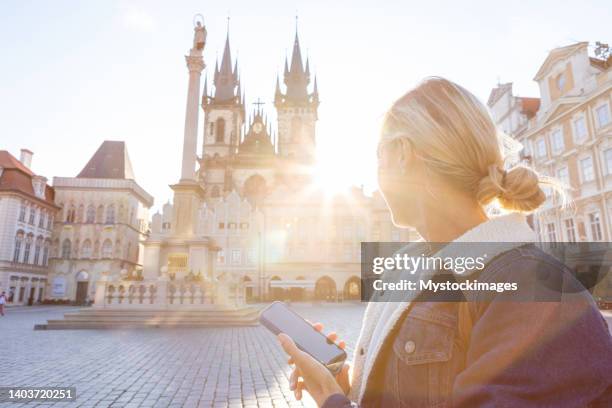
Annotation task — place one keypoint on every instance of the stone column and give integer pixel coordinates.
(195, 64)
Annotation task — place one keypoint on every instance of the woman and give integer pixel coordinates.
(440, 163)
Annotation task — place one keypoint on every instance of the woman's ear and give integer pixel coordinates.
(406, 155)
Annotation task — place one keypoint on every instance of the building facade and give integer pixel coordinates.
(257, 217)
(567, 134)
(102, 222)
(27, 213)
(568, 137)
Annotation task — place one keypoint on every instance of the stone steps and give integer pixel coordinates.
(91, 318)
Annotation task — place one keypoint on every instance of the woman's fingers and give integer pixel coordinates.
(318, 326)
(332, 337)
(298, 390)
(293, 379)
(342, 344)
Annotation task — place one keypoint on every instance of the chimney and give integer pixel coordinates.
(26, 157)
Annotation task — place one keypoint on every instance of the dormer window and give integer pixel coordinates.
(560, 82)
(38, 185)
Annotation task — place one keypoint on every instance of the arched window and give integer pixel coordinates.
(37, 248)
(45, 259)
(220, 136)
(18, 243)
(110, 214)
(121, 214)
(100, 213)
(129, 250)
(28, 246)
(86, 249)
(96, 249)
(71, 214)
(79, 217)
(91, 214)
(107, 248)
(66, 249)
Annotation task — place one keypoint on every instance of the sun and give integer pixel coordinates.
(331, 178)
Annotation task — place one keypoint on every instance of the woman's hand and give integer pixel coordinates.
(316, 378)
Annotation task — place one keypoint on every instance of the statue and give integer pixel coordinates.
(199, 37)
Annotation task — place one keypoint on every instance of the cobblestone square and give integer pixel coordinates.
(214, 367)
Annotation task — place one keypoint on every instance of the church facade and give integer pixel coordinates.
(251, 212)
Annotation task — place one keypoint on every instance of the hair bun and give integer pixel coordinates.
(517, 189)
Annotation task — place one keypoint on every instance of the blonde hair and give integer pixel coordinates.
(452, 131)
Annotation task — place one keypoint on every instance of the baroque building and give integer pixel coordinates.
(567, 134)
(103, 219)
(257, 217)
(27, 212)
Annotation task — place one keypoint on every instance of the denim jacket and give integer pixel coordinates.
(517, 354)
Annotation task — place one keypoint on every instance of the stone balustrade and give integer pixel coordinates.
(163, 293)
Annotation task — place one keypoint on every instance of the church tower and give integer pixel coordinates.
(223, 120)
(296, 109)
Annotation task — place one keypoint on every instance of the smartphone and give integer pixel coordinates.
(279, 318)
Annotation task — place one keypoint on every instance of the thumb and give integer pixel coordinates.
(289, 346)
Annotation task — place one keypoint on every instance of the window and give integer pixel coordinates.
(71, 214)
(570, 230)
(579, 129)
(107, 249)
(28, 246)
(221, 257)
(552, 232)
(37, 248)
(251, 256)
(66, 249)
(541, 147)
(86, 249)
(376, 232)
(49, 222)
(42, 219)
(22, 212)
(560, 81)
(244, 225)
(211, 129)
(220, 136)
(90, 216)
(395, 235)
(32, 215)
(586, 169)
(557, 141)
(221, 225)
(45, 260)
(231, 225)
(603, 115)
(563, 175)
(236, 256)
(18, 242)
(110, 214)
(595, 221)
(608, 160)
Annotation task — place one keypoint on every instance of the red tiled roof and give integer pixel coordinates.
(8, 161)
(17, 178)
(530, 106)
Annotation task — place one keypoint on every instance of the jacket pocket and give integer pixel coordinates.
(423, 349)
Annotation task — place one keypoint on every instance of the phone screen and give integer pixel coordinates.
(280, 319)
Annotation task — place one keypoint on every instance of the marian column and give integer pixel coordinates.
(188, 193)
(195, 64)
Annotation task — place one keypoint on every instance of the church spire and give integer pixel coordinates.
(226, 78)
(296, 76)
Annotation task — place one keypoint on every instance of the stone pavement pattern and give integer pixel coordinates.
(214, 367)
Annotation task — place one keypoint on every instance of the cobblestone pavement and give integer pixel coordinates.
(216, 367)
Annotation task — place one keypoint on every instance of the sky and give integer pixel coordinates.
(73, 74)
